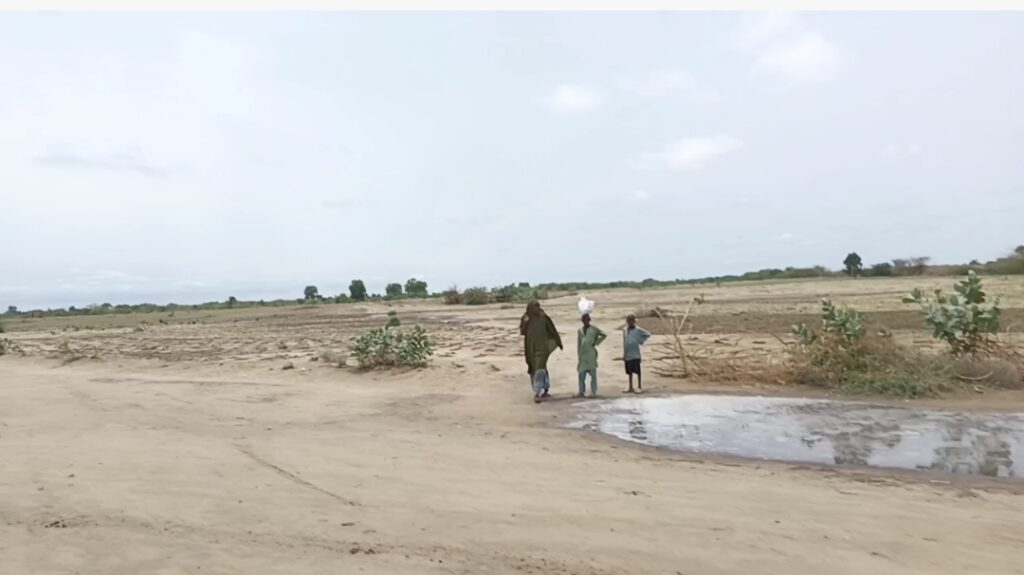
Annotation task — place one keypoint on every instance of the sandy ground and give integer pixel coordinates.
(184, 448)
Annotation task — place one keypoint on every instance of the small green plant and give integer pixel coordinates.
(413, 349)
(393, 320)
(964, 320)
(383, 347)
(844, 323)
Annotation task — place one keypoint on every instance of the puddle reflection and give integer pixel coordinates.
(817, 431)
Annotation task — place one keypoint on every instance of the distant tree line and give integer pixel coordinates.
(853, 265)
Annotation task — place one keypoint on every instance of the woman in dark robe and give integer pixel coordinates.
(540, 339)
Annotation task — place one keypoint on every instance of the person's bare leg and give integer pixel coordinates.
(630, 390)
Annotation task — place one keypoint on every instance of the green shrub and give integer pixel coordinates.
(883, 269)
(393, 320)
(518, 293)
(416, 288)
(384, 347)
(477, 296)
(842, 356)
(965, 320)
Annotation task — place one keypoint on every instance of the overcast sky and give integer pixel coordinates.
(193, 157)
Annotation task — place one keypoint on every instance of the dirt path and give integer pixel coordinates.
(200, 469)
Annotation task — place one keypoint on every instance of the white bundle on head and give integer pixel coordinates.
(585, 306)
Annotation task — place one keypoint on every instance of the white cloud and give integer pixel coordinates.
(687, 154)
(808, 58)
(667, 83)
(570, 98)
(900, 151)
(764, 27)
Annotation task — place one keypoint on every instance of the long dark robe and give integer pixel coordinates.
(541, 339)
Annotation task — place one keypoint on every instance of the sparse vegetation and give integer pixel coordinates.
(840, 355)
(518, 293)
(385, 347)
(477, 296)
(966, 320)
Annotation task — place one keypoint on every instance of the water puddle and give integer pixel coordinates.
(816, 431)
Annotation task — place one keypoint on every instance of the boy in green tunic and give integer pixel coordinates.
(587, 340)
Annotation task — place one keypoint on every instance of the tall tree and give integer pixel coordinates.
(853, 264)
(416, 288)
(393, 290)
(312, 293)
(357, 290)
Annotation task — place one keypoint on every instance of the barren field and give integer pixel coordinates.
(220, 442)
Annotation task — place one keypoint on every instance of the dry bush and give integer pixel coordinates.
(337, 358)
(872, 365)
(451, 296)
(683, 356)
(991, 372)
(655, 312)
(840, 356)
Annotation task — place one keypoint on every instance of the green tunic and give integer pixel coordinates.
(586, 347)
(541, 339)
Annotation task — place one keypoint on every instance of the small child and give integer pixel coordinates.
(632, 338)
(587, 340)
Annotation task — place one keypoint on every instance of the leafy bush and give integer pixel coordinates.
(477, 296)
(393, 290)
(964, 320)
(518, 293)
(883, 269)
(451, 296)
(842, 356)
(384, 347)
(7, 346)
(393, 320)
(844, 323)
(416, 288)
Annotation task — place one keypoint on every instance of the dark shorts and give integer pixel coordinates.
(633, 366)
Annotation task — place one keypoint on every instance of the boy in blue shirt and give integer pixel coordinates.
(632, 338)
